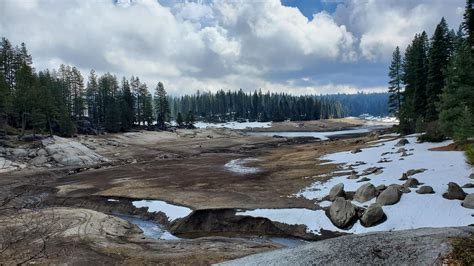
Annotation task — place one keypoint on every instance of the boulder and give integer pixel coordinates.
(468, 201)
(342, 213)
(468, 185)
(425, 190)
(401, 150)
(373, 215)
(471, 176)
(356, 150)
(415, 171)
(373, 170)
(404, 177)
(364, 179)
(412, 182)
(389, 196)
(42, 152)
(71, 153)
(365, 193)
(353, 175)
(337, 191)
(454, 192)
(404, 189)
(402, 142)
(381, 187)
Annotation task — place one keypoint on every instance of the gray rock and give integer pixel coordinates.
(372, 216)
(423, 246)
(404, 177)
(402, 142)
(68, 152)
(19, 153)
(42, 152)
(425, 190)
(364, 179)
(373, 170)
(454, 192)
(404, 189)
(365, 193)
(381, 187)
(337, 191)
(468, 185)
(412, 182)
(468, 201)
(356, 150)
(401, 150)
(342, 213)
(415, 171)
(39, 160)
(471, 176)
(389, 196)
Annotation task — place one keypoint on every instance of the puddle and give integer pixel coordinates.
(238, 166)
(150, 229)
(319, 135)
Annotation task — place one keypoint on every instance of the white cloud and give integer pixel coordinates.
(222, 44)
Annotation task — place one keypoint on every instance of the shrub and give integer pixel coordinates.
(469, 151)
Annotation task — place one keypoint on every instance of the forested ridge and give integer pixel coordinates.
(432, 84)
(63, 102)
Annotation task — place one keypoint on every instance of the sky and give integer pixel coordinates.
(292, 46)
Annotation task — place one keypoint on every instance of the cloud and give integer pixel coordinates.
(213, 44)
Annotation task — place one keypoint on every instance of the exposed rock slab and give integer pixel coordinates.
(410, 247)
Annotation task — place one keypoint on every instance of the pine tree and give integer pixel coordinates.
(395, 89)
(161, 106)
(179, 120)
(438, 60)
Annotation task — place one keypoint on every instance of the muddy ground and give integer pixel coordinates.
(186, 167)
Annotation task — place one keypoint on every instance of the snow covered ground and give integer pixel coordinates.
(413, 211)
(234, 125)
(172, 211)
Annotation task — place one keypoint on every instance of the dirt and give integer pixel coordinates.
(186, 168)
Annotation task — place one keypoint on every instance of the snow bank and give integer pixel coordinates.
(234, 125)
(413, 211)
(172, 211)
(377, 120)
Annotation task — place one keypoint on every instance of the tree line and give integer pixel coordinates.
(432, 85)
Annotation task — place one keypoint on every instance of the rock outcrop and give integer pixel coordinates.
(424, 246)
(71, 153)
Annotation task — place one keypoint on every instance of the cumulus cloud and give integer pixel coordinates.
(209, 45)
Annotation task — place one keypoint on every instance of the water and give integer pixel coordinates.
(150, 228)
(319, 135)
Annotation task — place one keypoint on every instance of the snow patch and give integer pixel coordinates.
(234, 125)
(172, 211)
(238, 166)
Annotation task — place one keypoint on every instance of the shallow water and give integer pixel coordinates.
(319, 135)
(150, 228)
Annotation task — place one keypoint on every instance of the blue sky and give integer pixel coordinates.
(295, 46)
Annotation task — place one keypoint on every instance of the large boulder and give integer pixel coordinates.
(39, 160)
(389, 196)
(425, 190)
(337, 191)
(18, 153)
(454, 192)
(468, 201)
(365, 193)
(342, 213)
(373, 215)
